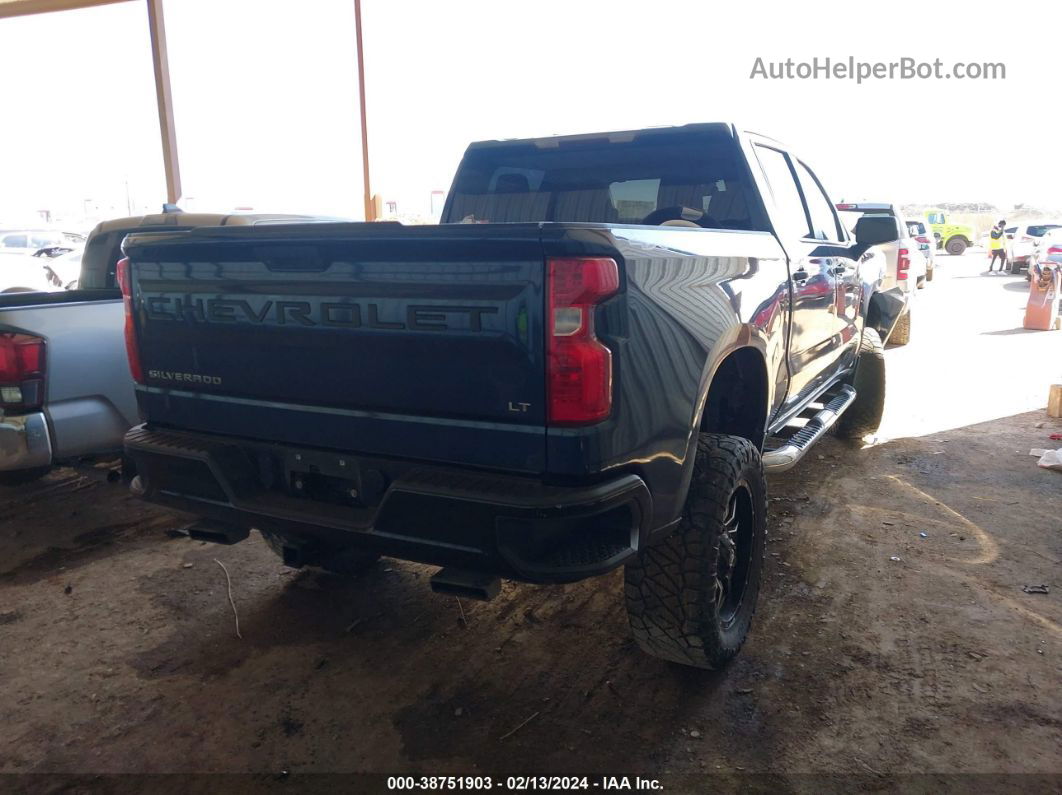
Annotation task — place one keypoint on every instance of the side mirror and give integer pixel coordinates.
(875, 230)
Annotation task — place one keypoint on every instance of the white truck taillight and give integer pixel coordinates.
(578, 365)
(125, 283)
(903, 264)
(21, 371)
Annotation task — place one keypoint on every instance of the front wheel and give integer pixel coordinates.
(864, 415)
(691, 597)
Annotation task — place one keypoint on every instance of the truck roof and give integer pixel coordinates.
(615, 136)
(867, 207)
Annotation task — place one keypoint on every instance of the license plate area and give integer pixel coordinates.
(325, 477)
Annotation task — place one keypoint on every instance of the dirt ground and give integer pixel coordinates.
(932, 671)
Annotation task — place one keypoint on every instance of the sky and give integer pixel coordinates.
(266, 111)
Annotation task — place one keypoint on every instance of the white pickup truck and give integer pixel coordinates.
(904, 266)
(66, 394)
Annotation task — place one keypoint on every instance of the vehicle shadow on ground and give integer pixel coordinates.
(550, 671)
(935, 651)
(1009, 332)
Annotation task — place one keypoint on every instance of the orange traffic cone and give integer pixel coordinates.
(1041, 312)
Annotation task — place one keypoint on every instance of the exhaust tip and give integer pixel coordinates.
(466, 584)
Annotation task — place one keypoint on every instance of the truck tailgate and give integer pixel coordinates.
(419, 342)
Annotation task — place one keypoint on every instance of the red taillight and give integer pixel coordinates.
(21, 371)
(1054, 251)
(579, 366)
(903, 264)
(132, 350)
(922, 239)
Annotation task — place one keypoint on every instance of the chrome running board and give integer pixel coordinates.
(789, 454)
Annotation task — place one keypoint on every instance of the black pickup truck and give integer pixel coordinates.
(590, 363)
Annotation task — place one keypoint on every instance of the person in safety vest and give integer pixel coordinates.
(997, 246)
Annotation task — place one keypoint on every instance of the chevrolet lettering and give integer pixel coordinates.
(338, 314)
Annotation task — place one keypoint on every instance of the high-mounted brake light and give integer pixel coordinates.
(132, 349)
(579, 366)
(21, 371)
(846, 206)
(903, 264)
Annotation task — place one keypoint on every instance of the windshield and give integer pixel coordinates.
(696, 176)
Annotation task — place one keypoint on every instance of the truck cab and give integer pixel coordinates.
(953, 238)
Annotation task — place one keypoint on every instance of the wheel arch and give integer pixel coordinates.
(737, 396)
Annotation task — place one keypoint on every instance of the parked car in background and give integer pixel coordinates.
(577, 370)
(66, 394)
(23, 273)
(1046, 249)
(64, 270)
(29, 241)
(1023, 240)
(954, 238)
(926, 244)
(904, 265)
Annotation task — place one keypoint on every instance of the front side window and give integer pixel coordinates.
(824, 225)
(783, 185)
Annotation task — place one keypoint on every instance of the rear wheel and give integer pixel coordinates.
(691, 597)
(864, 415)
(901, 332)
(338, 560)
(1015, 267)
(929, 273)
(955, 246)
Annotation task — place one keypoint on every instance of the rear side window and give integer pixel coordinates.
(824, 224)
(783, 185)
(639, 178)
(1040, 229)
(14, 241)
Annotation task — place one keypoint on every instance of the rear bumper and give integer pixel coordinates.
(24, 442)
(514, 527)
